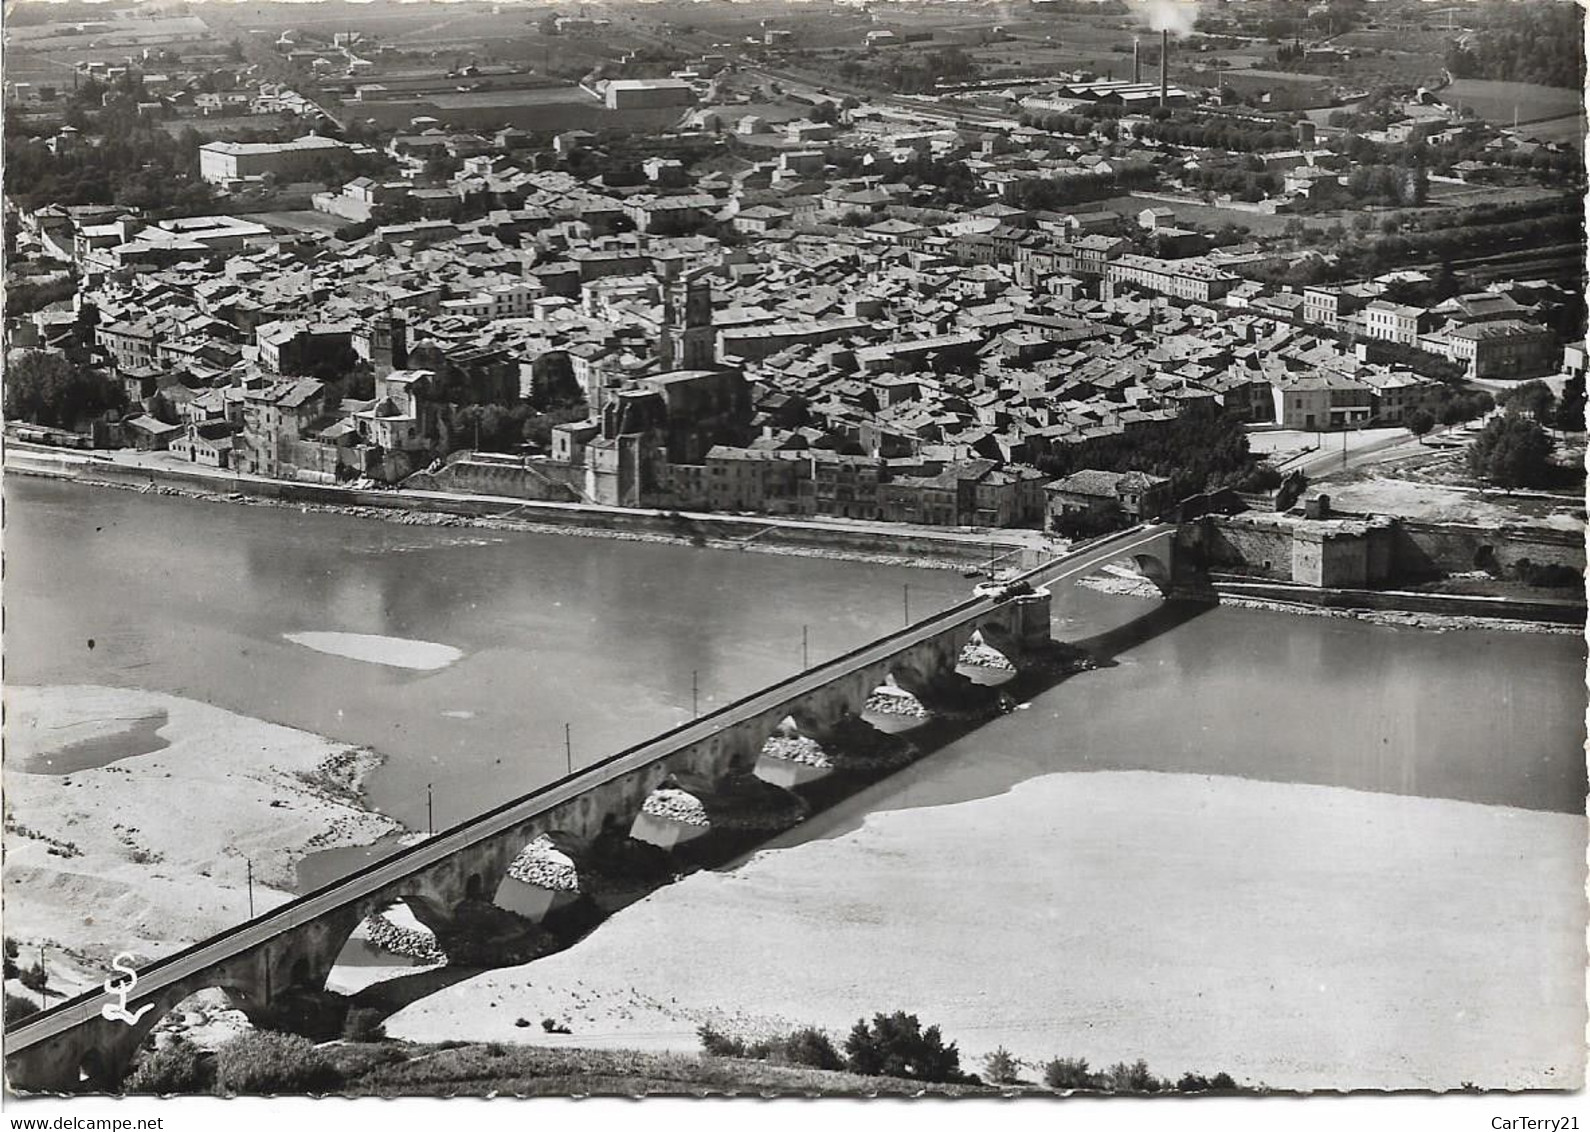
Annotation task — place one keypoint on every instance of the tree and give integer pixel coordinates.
(1512, 451)
(895, 1045)
(1000, 1067)
(1570, 409)
(809, 1047)
(1532, 398)
(35, 978)
(1420, 422)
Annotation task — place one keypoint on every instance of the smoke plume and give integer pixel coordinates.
(1174, 16)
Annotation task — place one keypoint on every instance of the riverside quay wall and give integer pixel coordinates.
(818, 537)
(1370, 551)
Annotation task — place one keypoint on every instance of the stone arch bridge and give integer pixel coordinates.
(72, 1047)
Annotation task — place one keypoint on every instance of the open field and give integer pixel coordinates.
(1208, 216)
(107, 33)
(1496, 101)
(222, 127)
(1570, 128)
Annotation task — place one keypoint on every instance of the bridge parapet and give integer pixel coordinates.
(298, 945)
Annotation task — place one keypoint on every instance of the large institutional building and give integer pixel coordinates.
(223, 161)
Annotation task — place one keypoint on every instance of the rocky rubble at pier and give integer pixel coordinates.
(384, 934)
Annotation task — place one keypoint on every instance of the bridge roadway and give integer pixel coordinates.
(211, 952)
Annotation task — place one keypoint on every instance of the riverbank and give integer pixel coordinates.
(890, 545)
(132, 819)
(1121, 582)
(1117, 915)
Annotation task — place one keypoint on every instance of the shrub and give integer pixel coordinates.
(35, 978)
(999, 1067)
(716, 1044)
(1262, 477)
(1222, 1083)
(1192, 1083)
(179, 1068)
(895, 1045)
(363, 1024)
(1134, 1078)
(268, 1063)
(1069, 1073)
(812, 1048)
(809, 1047)
(18, 1008)
(1420, 422)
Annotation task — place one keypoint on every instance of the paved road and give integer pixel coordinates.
(210, 953)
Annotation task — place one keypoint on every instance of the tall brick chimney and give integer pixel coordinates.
(1164, 67)
(1137, 59)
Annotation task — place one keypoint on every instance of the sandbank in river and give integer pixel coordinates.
(131, 817)
(1298, 936)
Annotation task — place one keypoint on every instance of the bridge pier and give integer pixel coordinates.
(57, 1049)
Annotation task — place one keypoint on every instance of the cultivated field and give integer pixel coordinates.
(1496, 101)
(223, 127)
(1566, 129)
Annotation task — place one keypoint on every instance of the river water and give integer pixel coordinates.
(1227, 709)
(197, 599)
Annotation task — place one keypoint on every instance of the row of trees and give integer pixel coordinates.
(1047, 193)
(912, 73)
(1367, 256)
(898, 1045)
(1243, 184)
(1238, 137)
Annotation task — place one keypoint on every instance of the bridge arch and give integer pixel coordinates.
(397, 938)
(95, 1073)
(989, 657)
(1155, 569)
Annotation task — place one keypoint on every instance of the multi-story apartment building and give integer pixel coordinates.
(1190, 279)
